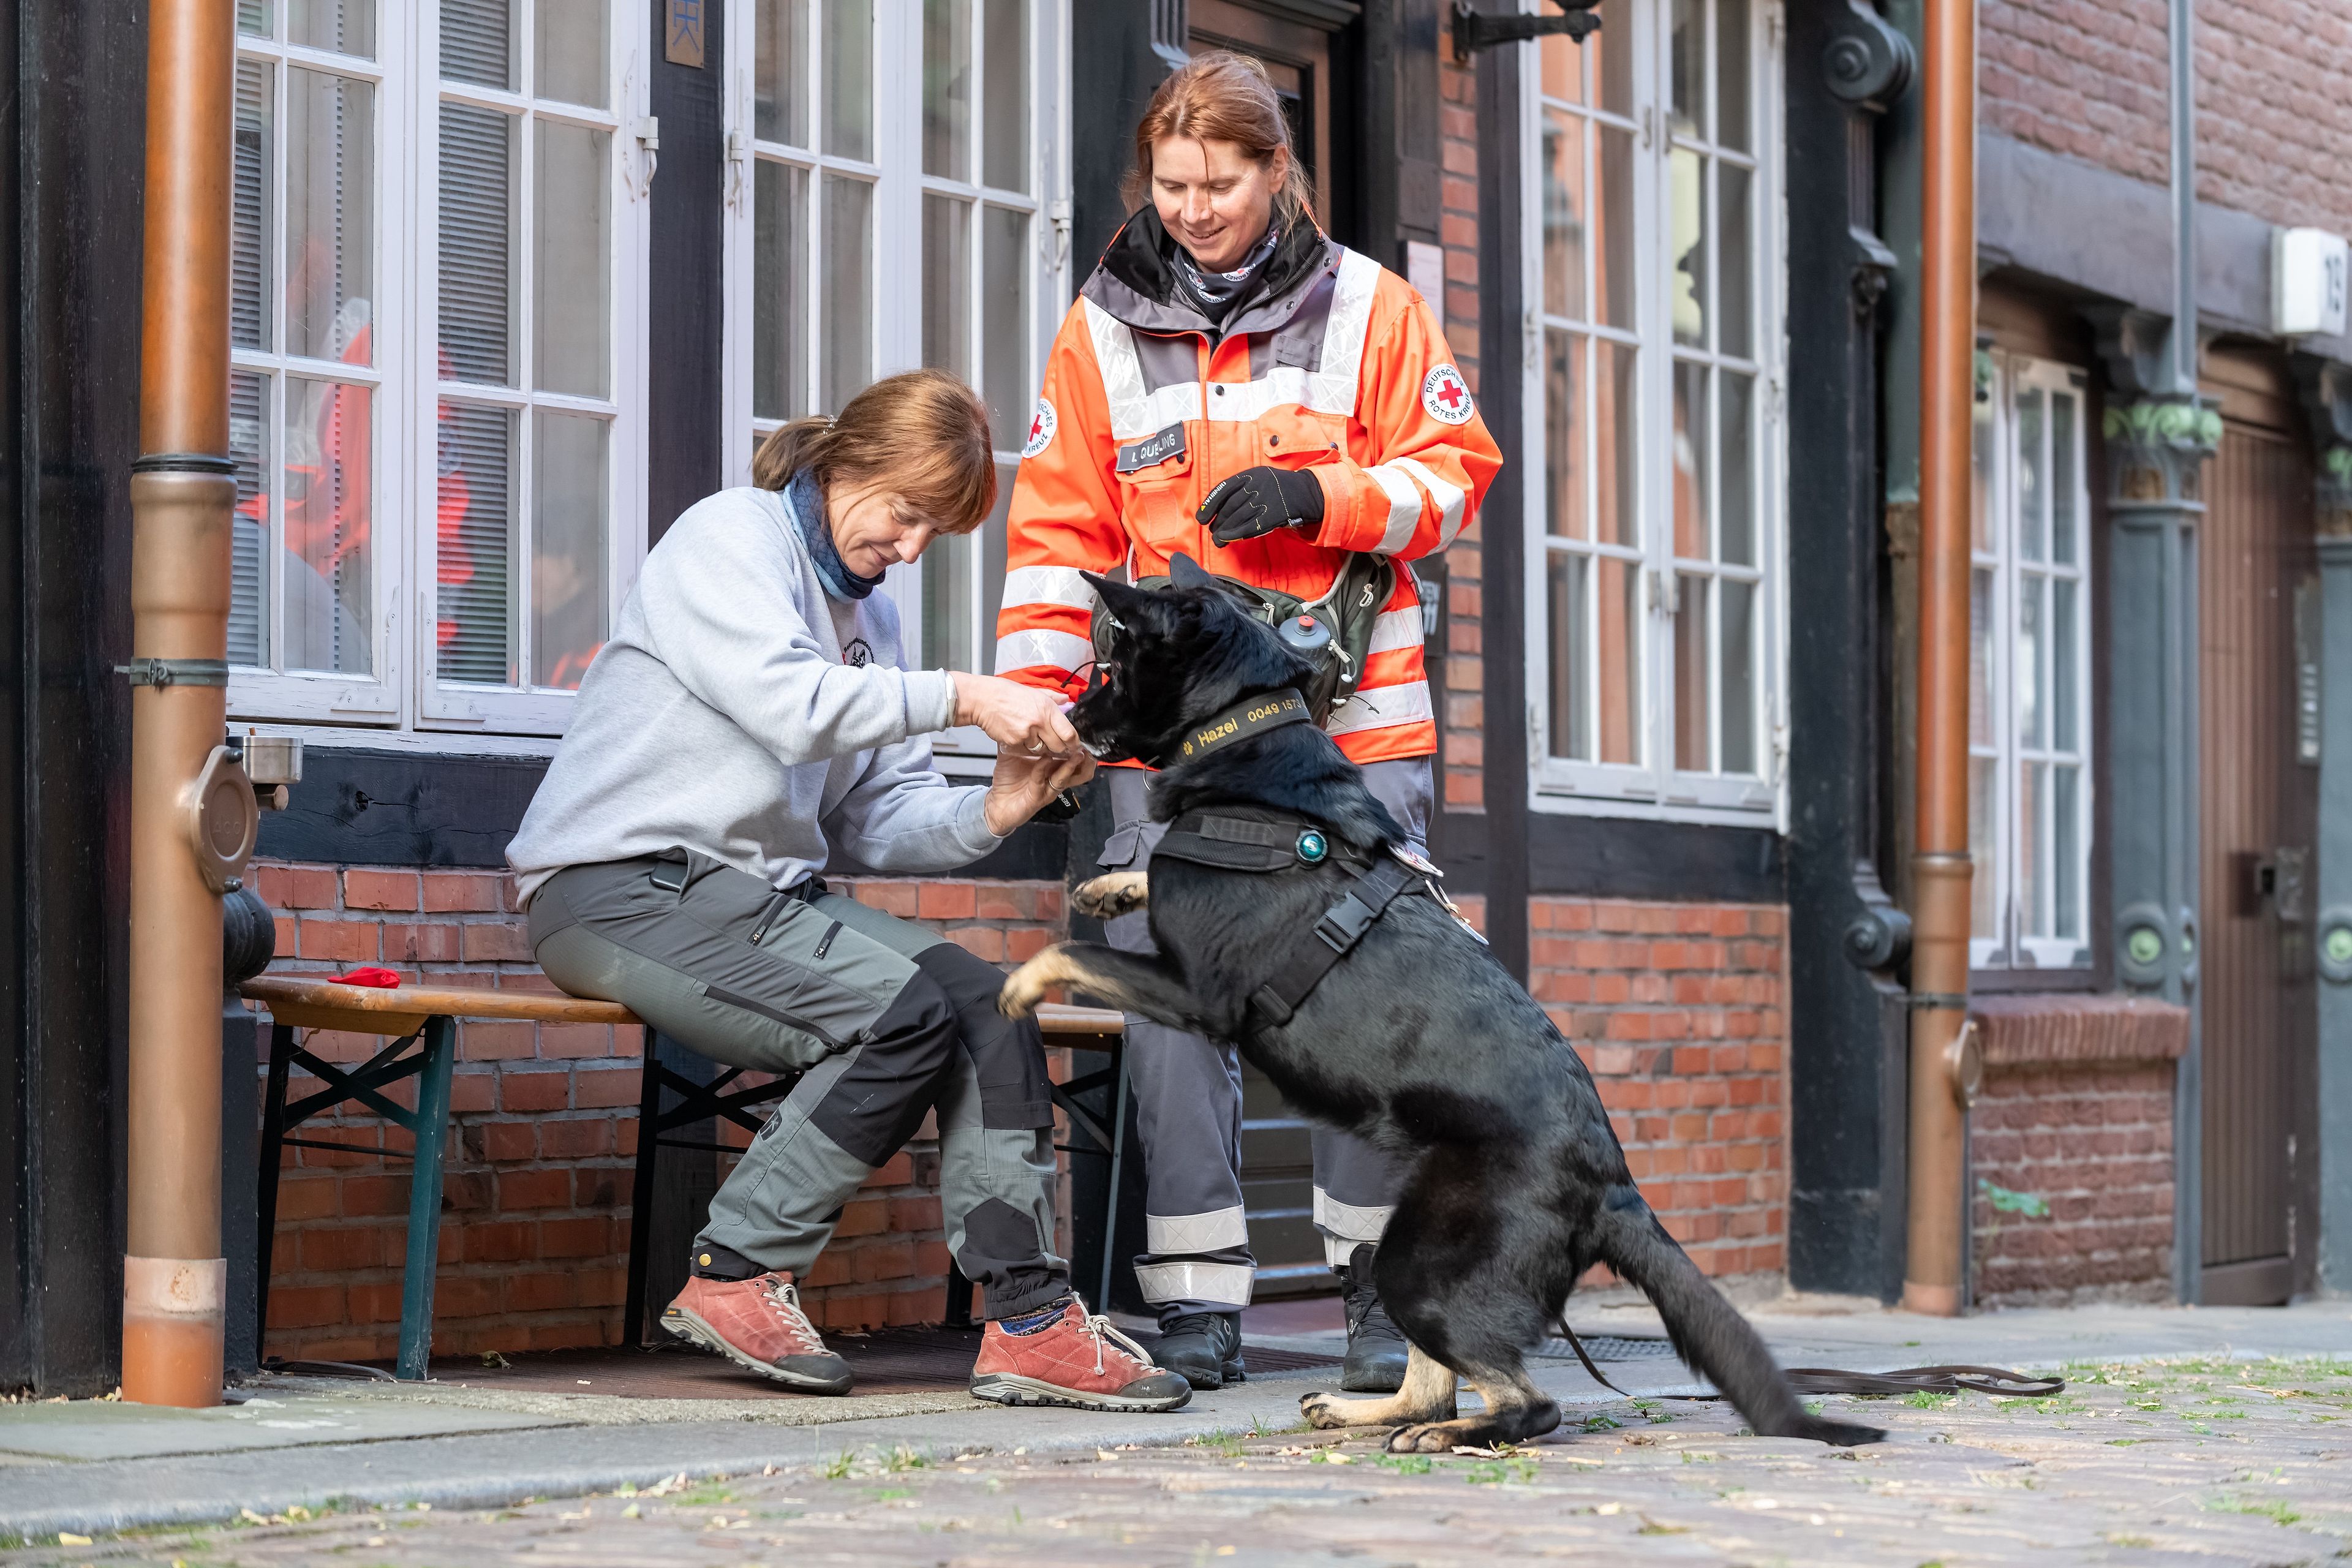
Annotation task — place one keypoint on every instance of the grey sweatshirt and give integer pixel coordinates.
(722, 717)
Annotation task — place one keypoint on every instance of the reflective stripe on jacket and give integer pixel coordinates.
(1342, 370)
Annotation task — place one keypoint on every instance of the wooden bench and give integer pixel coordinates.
(425, 1018)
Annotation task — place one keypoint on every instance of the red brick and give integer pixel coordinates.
(509, 1140)
(483, 1041)
(574, 1041)
(1023, 944)
(533, 1190)
(946, 900)
(364, 890)
(462, 892)
(494, 941)
(344, 941)
(585, 1238)
(981, 942)
(524, 1091)
(865, 1216)
(887, 1260)
(296, 888)
(576, 1138)
(305, 1306)
(602, 1089)
(891, 898)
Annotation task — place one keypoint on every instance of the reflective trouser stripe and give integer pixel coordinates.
(1219, 1284)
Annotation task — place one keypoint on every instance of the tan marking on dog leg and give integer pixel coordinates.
(1427, 1394)
(1113, 894)
(1516, 1410)
(1058, 965)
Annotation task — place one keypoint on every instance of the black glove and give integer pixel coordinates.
(1259, 501)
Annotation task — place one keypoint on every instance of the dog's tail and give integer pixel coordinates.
(1708, 1331)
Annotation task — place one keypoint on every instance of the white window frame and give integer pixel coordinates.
(407, 707)
(2012, 949)
(901, 184)
(1656, 788)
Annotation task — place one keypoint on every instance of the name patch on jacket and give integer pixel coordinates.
(1159, 448)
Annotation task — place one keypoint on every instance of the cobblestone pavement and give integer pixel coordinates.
(2149, 1462)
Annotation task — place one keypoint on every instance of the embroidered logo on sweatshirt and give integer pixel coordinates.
(857, 654)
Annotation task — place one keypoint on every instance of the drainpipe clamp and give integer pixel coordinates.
(175, 671)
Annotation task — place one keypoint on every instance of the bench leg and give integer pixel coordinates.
(634, 1330)
(425, 1199)
(265, 1190)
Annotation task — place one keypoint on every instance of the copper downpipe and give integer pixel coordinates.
(173, 1286)
(1940, 868)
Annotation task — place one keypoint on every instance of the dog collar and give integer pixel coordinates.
(1248, 717)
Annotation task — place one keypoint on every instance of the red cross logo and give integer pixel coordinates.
(1037, 427)
(1444, 396)
(1041, 429)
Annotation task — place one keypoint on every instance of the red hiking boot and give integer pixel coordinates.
(758, 1324)
(1077, 1359)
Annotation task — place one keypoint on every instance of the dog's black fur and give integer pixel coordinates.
(1418, 1041)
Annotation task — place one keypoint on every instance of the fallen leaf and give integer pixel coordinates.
(632, 1512)
(67, 1538)
(1606, 1508)
(250, 1517)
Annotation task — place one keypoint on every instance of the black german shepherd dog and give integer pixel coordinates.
(1417, 1040)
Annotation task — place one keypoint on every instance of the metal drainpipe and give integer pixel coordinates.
(187, 835)
(1941, 1073)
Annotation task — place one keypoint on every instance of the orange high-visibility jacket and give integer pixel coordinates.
(1337, 366)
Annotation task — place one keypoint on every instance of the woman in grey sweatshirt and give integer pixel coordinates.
(749, 720)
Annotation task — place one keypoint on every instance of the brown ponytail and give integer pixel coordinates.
(1220, 97)
(923, 434)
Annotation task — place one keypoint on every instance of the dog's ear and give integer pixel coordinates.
(1183, 572)
(1115, 594)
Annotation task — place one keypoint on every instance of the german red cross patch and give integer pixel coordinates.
(1041, 429)
(1446, 397)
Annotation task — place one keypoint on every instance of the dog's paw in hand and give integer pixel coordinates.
(1108, 897)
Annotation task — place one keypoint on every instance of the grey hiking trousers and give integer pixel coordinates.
(1188, 1095)
(886, 1021)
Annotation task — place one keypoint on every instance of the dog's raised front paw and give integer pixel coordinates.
(1111, 895)
(1023, 990)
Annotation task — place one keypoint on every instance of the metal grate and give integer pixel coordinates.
(1612, 1347)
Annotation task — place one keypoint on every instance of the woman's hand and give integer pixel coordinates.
(1023, 786)
(1021, 719)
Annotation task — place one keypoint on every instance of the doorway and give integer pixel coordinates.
(2258, 808)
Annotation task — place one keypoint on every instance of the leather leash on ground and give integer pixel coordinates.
(1903, 1380)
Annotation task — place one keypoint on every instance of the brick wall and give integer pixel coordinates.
(2087, 79)
(1464, 743)
(2071, 1141)
(535, 1230)
(1680, 1012)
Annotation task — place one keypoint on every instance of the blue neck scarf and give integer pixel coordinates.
(806, 503)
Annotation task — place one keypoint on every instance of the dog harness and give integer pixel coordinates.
(1283, 841)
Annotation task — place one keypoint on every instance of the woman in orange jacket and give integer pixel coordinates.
(1233, 386)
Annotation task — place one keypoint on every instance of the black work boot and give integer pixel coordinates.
(1376, 1348)
(1205, 1347)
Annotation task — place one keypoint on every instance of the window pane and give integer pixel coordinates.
(1613, 289)
(1694, 712)
(1980, 657)
(1618, 655)
(253, 16)
(1984, 888)
(329, 217)
(567, 536)
(1610, 50)
(478, 42)
(2066, 852)
(477, 245)
(949, 570)
(249, 551)
(947, 89)
(1690, 438)
(1569, 586)
(2030, 674)
(346, 27)
(779, 331)
(2031, 489)
(848, 284)
(1004, 265)
(570, 42)
(947, 285)
(849, 77)
(1731, 69)
(330, 604)
(2062, 407)
(570, 275)
(1734, 310)
(250, 250)
(477, 633)
(1982, 455)
(2063, 663)
(1735, 628)
(1004, 96)
(1564, 435)
(1563, 213)
(2032, 850)
(1617, 444)
(780, 72)
(1563, 69)
(1735, 524)
(1689, 66)
(1686, 200)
